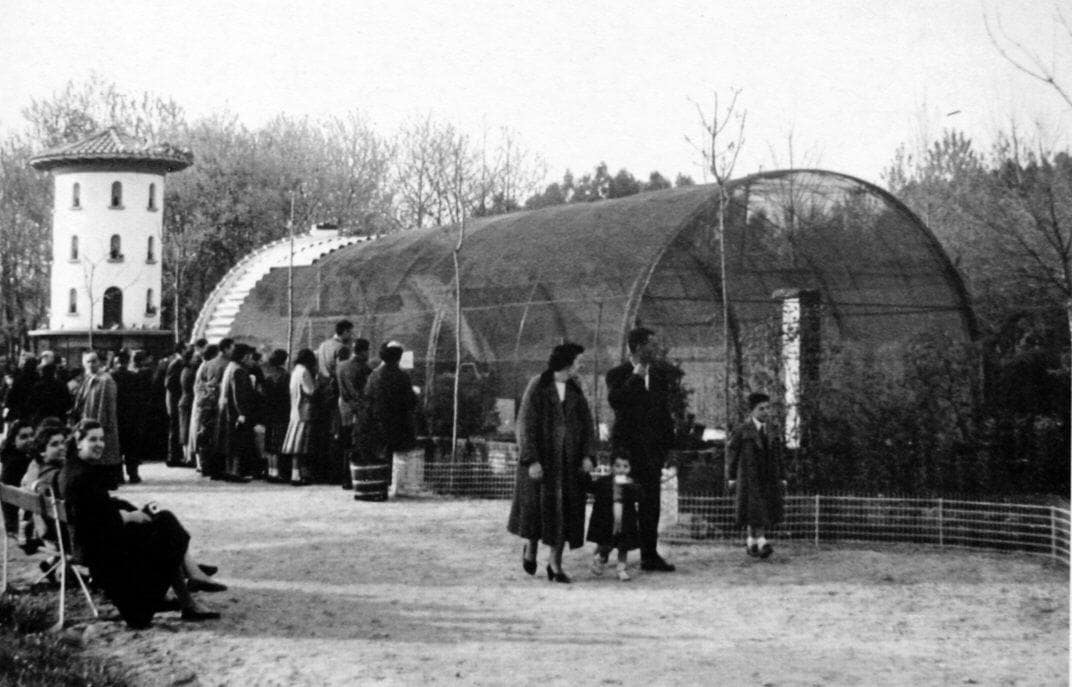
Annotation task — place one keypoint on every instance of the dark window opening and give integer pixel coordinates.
(117, 195)
(113, 308)
(115, 251)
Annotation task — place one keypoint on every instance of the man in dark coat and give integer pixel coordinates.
(324, 448)
(207, 386)
(49, 396)
(136, 417)
(638, 391)
(391, 405)
(754, 475)
(172, 394)
(352, 374)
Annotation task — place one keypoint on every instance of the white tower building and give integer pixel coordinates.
(107, 233)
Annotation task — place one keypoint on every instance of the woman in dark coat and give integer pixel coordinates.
(275, 410)
(556, 441)
(754, 475)
(134, 556)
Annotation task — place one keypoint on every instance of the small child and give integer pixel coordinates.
(614, 523)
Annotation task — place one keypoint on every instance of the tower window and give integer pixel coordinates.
(150, 305)
(115, 250)
(150, 253)
(117, 195)
(76, 196)
(152, 196)
(72, 302)
(113, 308)
(74, 248)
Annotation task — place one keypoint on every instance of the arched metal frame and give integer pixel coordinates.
(585, 271)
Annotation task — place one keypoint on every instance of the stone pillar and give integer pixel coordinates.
(801, 327)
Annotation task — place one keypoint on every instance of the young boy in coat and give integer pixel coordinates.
(614, 523)
(754, 475)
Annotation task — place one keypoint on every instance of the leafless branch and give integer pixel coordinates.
(1023, 59)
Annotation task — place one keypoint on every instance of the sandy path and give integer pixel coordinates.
(328, 591)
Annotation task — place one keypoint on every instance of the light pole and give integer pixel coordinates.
(290, 282)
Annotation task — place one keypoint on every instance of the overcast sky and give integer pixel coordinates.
(580, 82)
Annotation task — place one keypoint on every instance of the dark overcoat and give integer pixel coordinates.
(134, 563)
(391, 403)
(601, 524)
(558, 435)
(233, 440)
(754, 461)
(643, 428)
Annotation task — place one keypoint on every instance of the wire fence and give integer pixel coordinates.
(1037, 529)
(488, 470)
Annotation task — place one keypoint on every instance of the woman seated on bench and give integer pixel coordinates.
(134, 556)
(50, 450)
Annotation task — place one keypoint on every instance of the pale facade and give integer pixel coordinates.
(107, 236)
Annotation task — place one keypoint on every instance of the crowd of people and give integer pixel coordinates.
(230, 411)
(227, 413)
(235, 416)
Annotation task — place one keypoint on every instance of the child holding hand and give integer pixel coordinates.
(614, 523)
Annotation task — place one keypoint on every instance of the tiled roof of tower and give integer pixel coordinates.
(113, 145)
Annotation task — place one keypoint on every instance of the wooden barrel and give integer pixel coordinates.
(370, 481)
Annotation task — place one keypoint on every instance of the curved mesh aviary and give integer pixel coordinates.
(586, 272)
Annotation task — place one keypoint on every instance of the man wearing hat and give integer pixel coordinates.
(391, 403)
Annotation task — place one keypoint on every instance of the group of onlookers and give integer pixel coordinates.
(236, 417)
(125, 395)
(230, 411)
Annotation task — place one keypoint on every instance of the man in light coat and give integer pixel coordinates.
(96, 400)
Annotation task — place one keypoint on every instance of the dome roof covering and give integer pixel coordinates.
(587, 272)
(113, 146)
(218, 313)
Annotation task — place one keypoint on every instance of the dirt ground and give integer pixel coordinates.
(328, 591)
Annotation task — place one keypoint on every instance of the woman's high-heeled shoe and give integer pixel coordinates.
(527, 565)
(553, 576)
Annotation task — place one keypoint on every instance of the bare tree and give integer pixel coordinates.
(719, 148)
(1029, 61)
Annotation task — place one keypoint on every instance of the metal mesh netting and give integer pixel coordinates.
(587, 272)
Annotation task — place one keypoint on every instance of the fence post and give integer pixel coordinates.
(1053, 531)
(941, 524)
(816, 519)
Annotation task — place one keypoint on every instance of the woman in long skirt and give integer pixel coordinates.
(296, 444)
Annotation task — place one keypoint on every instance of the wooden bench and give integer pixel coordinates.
(45, 505)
